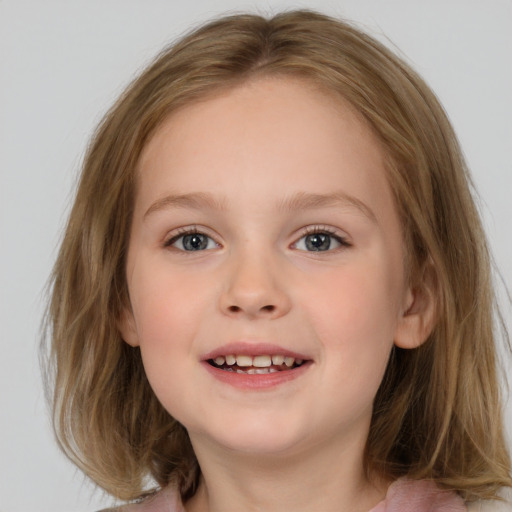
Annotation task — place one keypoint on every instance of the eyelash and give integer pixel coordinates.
(313, 230)
(192, 230)
(310, 230)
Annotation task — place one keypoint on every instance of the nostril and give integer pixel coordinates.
(264, 309)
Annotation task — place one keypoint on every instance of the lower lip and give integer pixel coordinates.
(257, 381)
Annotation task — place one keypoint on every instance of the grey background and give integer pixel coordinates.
(62, 63)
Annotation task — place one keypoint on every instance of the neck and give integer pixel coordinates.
(327, 478)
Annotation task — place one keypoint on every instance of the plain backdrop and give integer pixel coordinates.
(62, 63)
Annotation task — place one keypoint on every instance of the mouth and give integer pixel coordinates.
(256, 365)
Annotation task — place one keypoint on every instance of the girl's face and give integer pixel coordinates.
(264, 232)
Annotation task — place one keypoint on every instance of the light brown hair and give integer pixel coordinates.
(438, 411)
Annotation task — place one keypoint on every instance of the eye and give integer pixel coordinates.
(320, 240)
(191, 241)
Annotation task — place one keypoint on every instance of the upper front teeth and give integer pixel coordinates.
(263, 361)
(244, 360)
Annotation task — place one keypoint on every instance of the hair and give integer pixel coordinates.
(437, 413)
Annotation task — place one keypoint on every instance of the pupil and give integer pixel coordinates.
(195, 242)
(318, 242)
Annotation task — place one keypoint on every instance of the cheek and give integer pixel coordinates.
(168, 309)
(167, 322)
(167, 304)
(356, 303)
(354, 313)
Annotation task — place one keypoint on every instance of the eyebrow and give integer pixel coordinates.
(295, 202)
(195, 201)
(309, 201)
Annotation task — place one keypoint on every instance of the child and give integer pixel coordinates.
(274, 289)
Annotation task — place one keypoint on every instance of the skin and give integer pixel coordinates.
(252, 149)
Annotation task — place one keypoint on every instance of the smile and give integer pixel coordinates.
(255, 365)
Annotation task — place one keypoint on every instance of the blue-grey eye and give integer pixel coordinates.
(318, 242)
(192, 242)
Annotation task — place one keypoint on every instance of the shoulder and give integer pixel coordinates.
(132, 507)
(165, 500)
(493, 505)
(490, 506)
(419, 496)
(121, 508)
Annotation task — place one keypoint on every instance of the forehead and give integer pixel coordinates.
(267, 136)
(280, 101)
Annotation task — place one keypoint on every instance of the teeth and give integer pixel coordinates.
(262, 361)
(244, 360)
(288, 361)
(277, 360)
(255, 371)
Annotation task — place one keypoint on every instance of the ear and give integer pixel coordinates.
(127, 327)
(419, 315)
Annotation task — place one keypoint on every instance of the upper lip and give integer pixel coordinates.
(252, 349)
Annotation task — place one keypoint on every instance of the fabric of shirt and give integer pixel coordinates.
(419, 496)
(402, 496)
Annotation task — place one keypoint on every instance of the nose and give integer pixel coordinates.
(254, 288)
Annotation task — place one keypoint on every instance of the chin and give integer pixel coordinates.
(254, 439)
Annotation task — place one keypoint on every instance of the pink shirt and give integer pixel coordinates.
(402, 496)
(419, 496)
